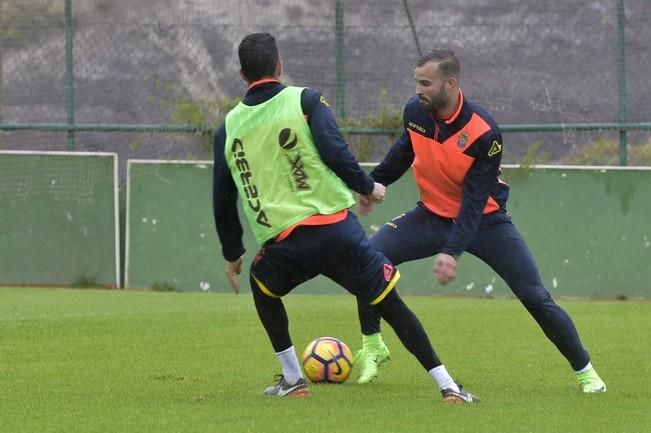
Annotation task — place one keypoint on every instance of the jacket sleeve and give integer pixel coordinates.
(396, 162)
(477, 186)
(331, 145)
(224, 195)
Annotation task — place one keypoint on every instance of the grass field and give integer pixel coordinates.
(123, 361)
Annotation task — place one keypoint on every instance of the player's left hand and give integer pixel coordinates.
(234, 268)
(445, 268)
(364, 205)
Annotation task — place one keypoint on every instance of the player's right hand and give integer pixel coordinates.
(379, 191)
(234, 268)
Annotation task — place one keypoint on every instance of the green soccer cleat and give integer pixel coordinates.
(590, 382)
(367, 362)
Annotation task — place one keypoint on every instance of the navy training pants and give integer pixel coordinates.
(419, 233)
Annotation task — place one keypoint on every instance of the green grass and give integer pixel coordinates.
(121, 361)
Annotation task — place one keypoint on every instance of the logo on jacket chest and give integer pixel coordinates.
(417, 127)
(463, 140)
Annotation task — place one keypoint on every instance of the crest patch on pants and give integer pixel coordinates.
(388, 271)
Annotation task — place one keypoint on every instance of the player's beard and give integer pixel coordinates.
(437, 102)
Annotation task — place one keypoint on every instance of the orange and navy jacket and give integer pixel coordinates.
(456, 163)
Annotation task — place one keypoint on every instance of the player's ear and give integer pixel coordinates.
(452, 82)
(243, 76)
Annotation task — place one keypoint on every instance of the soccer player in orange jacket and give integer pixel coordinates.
(455, 148)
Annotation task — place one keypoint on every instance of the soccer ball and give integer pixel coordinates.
(327, 360)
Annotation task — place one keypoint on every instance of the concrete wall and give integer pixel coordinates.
(587, 227)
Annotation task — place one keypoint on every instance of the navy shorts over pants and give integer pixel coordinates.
(340, 251)
(420, 233)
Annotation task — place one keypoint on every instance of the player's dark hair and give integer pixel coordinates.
(258, 55)
(448, 63)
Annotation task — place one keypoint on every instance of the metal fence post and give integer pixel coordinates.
(621, 79)
(413, 28)
(2, 83)
(339, 59)
(70, 95)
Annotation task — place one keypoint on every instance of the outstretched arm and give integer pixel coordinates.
(332, 147)
(227, 221)
(477, 187)
(396, 162)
